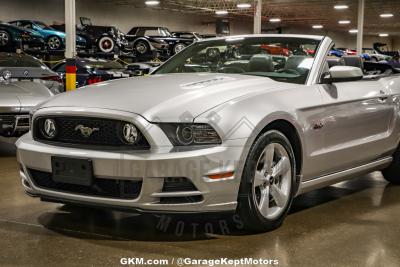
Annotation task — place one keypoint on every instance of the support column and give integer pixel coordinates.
(70, 45)
(360, 26)
(257, 16)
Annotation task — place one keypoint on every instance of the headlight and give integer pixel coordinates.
(6, 75)
(183, 134)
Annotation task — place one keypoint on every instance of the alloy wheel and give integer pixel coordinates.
(4, 38)
(272, 181)
(54, 43)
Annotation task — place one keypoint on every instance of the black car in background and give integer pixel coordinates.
(187, 35)
(93, 70)
(105, 39)
(160, 39)
(13, 37)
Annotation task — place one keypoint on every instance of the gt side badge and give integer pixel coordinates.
(318, 125)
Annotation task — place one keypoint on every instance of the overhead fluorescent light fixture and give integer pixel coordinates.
(344, 22)
(353, 31)
(275, 20)
(221, 12)
(383, 35)
(152, 3)
(386, 15)
(341, 7)
(243, 5)
(317, 26)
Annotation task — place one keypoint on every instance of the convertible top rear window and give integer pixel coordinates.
(286, 59)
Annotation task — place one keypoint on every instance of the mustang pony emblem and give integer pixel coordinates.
(86, 131)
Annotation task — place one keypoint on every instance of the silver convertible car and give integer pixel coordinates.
(241, 124)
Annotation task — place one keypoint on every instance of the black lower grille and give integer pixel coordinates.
(181, 200)
(109, 188)
(107, 133)
(178, 184)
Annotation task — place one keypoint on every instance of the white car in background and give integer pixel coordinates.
(228, 124)
(375, 56)
(23, 67)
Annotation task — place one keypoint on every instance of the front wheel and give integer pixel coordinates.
(268, 181)
(5, 39)
(54, 43)
(179, 47)
(392, 172)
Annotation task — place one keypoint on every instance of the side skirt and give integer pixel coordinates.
(337, 177)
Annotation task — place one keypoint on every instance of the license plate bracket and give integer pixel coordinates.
(72, 171)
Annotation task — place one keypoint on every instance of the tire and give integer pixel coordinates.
(54, 42)
(142, 47)
(5, 39)
(252, 209)
(392, 173)
(106, 44)
(178, 48)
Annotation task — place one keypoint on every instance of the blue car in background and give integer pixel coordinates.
(55, 40)
(336, 53)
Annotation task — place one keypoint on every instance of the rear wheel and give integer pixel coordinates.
(374, 59)
(5, 39)
(142, 47)
(392, 173)
(106, 44)
(266, 189)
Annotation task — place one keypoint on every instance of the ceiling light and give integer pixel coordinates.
(344, 21)
(221, 12)
(353, 31)
(386, 15)
(243, 5)
(317, 26)
(383, 35)
(341, 6)
(275, 20)
(152, 3)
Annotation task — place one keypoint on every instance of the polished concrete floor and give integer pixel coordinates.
(356, 223)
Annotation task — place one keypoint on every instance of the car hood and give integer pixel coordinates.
(166, 98)
(23, 95)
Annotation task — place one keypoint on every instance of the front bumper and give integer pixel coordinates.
(151, 167)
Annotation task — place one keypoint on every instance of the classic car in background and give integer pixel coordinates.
(13, 37)
(256, 135)
(146, 39)
(92, 70)
(23, 67)
(55, 39)
(16, 101)
(105, 39)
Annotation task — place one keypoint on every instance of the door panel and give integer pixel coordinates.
(354, 123)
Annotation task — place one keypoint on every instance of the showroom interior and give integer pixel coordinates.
(53, 50)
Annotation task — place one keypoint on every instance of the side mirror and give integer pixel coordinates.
(342, 74)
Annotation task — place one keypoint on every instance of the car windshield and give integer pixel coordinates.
(286, 59)
(43, 25)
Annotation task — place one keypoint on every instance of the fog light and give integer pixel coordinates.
(130, 133)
